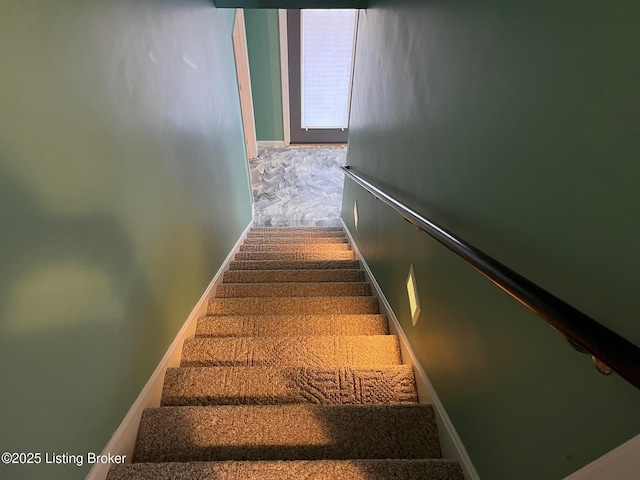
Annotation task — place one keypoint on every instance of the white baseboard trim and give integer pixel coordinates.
(270, 143)
(621, 463)
(450, 443)
(123, 440)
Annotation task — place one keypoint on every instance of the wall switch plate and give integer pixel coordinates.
(414, 298)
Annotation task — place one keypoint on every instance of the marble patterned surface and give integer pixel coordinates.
(298, 186)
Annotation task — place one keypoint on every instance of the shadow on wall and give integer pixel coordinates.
(64, 346)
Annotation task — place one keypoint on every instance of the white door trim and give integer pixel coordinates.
(284, 75)
(244, 84)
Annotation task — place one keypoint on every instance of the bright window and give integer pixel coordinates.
(327, 63)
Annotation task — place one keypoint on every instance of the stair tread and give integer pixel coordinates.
(306, 247)
(297, 276)
(292, 240)
(418, 469)
(291, 432)
(288, 289)
(301, 305)
(281, 385)
(322, 236)
(291, 325)
(289, 255)
(292, 351)
(296, 231)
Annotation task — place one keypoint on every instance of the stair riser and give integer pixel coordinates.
(334, 289)
(286, 385)
(292, 305)
(293, 276)
(291, 325)
(293, 432)
(291, 351)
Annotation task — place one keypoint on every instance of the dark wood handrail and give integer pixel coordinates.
(603, 344)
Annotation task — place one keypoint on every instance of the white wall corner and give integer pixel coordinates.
(123, 440)
(450, 442)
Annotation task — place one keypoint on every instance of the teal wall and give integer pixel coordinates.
(263, 43)
(123, 186)
(514, 124)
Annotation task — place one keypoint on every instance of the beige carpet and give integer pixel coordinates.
(383, 384)
(293, 276)
(291, 375)
(324, 289)
(291, 325)
(292, 470)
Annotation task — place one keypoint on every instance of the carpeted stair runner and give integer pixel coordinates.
(291, 325)
(291, 375)
(288, 351)
(293, 470)
(324, 289)
(302, 255)
(292, 264)
(293, 276)
(289, 305)
(293, 240)
(383, 384)
(277, 247)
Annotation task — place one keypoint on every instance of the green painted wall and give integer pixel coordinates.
(123, 186)
(514, 124)
(263, 43)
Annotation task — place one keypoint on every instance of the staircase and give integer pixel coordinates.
(291, 375)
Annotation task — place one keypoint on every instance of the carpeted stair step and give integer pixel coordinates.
(297, 231)
(293, 264)
(384, 384)
(291, 325)
(314, 247)
(428, 469)
(292, 305)
(289, 238)
(283, 256)
(291, 432)
(291, 375)
(293, 240)
(328, 289)
(293, 276)
(313, 351)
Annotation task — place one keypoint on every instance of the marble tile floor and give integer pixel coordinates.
(298, 186)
